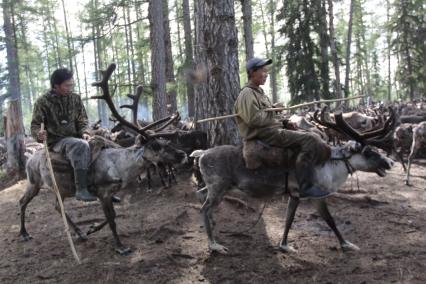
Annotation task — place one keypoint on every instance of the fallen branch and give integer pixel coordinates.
(283, 108)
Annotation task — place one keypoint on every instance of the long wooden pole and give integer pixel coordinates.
(284, 108)
(59, 198)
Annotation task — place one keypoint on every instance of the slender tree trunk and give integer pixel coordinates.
(217, 35)
(14, 131)
(68, 36)
(170, 76)
(189, 62)
(56, 33)
(102, 108)
(273, 68)
(158, 61)
(406, 50)
(388, 40)
(129, 72)
(86, 92)
(334, 51)
(132, 49)
(74, 56)
(247, 23)
(348, 48)
(324, 44)
(46, 43)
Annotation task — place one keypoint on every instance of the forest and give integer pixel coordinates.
(186, 59)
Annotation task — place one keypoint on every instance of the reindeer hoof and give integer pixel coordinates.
(82, 237)
(26, 237)
(123, 250)
(288, 249)
(218, 248)
(407, 183)
(348, 246)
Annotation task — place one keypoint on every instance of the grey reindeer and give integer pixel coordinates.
(114, 169)
(223, 169)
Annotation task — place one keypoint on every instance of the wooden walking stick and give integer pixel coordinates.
(283, 108)
(58, 197)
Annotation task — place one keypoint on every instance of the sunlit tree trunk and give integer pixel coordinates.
(170, 76)
(158, 61)
(14, 131)
(216, 34)
(247, 23)
(188, 56)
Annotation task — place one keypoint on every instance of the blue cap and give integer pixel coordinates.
(257, 63)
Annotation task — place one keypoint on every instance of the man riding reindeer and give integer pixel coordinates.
(64, 116)
(255, 123)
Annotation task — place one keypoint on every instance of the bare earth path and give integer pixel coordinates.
(386, 219)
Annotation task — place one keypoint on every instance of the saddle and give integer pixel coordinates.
(257, 153)
(96, 143)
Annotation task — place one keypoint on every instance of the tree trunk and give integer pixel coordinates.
(273, 68)
(388, 40)
(68, 37)
(189, 62)
(14, 131)
(170, 76)
(216, 34)
(348, 48)
(324, 44)
(334, 51)
(126, 32)
(158, 62)
(248, 34)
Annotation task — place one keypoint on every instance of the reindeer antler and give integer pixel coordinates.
(134, 106)
(103, 84)
(373, 137)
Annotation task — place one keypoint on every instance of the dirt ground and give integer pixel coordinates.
(385, 218)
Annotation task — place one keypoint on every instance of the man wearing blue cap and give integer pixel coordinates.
(255, 123)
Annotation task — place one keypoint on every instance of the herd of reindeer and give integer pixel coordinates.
(364, 140)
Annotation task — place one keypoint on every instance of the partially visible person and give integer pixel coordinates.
(66, 127)
(255, 123)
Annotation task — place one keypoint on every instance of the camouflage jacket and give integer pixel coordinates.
(63, 116)
(252, 121)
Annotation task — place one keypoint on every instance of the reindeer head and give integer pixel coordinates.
(362, 152)
(163, 151)
(156, 149)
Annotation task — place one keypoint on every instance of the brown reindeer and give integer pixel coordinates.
(223, 168)
(114, 169)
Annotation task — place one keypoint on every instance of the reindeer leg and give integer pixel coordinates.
(413, 151)
(30, 193)
(109, 212)
(162, 173)
(293, 203)
(148, 176)
(322, 209)
(82, 236)
(214, 197)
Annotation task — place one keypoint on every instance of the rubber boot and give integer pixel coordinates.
(81, 192)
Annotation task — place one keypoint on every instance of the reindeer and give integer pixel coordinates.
(419, 141)
(223, 168)
(113, 170)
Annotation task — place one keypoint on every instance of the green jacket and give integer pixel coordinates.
(63, 116)
(252, 121)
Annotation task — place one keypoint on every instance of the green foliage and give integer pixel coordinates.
(408, 24)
